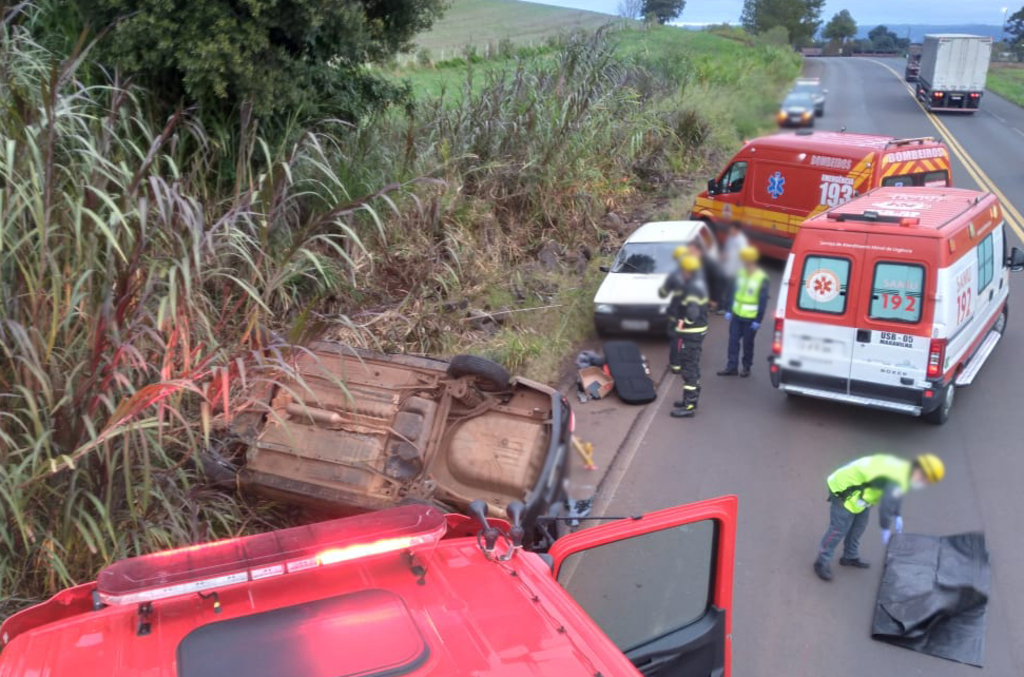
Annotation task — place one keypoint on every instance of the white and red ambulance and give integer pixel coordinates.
(894, 299)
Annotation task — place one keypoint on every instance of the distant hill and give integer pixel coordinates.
(483, 22)
(918, 31)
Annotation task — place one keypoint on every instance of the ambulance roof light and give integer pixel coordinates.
(197, 568)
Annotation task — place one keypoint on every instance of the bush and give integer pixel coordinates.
(778, 36)
(506, 48)
(424, 58)
(277, 56)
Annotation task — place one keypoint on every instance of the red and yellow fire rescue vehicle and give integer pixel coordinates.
(405, 591)
(775, 183)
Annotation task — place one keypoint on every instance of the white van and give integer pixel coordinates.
(894, 299)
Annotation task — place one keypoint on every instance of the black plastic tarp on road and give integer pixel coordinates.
(934, 595)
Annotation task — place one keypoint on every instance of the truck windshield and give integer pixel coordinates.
(648, 258)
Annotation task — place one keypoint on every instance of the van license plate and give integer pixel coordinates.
(817, 347)
(636, 325)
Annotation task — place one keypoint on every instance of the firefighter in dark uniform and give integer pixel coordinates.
(688, 317)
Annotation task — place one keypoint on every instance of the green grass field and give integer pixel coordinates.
(486, 22)
(1007, 80)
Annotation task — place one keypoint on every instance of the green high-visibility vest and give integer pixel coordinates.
(861, 484)
(748, 293)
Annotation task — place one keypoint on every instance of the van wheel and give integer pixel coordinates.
(941, 415)
(489, 374)
(1000, 326)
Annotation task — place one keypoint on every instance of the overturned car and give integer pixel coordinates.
(356, 431)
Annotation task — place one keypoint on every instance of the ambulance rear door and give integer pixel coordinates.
(895, 305)
(819, 329)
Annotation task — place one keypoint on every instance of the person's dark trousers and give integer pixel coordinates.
(675, 352)
(693, 344)
(741, 332)
(845, 526)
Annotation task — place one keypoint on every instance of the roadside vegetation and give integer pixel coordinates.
(1007, 80)
(153, 266)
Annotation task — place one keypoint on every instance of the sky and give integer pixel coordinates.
(865, 12)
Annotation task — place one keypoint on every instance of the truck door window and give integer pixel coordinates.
(986, 263)
(823, 284)
(897, 292)
(642, 588)
(732, 180)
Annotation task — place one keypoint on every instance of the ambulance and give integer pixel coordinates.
(776, 182)
(894, 300)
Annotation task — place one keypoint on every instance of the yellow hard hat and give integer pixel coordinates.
(679, 252)
(690, 263)
(749, 254)
(932, 467)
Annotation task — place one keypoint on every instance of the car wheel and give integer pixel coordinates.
(489, 374)
(941, 414)
(820, 112)
(1000, 325)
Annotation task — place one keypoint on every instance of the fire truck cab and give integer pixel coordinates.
(403, 591)
(776, 182)
(894, 299)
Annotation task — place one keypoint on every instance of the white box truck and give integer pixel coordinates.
(953, 71)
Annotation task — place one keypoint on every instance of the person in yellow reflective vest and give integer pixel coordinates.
(860, 484)
(688, 314)
(745, 307)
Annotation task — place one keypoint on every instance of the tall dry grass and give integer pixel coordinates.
(135, 304)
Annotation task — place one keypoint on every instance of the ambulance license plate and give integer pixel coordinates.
(817, 347)
(636, 325)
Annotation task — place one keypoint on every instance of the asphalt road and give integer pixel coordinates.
(774, 452)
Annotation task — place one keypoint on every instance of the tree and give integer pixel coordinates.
(277, 56)
(884, 40)
(801, 18)
(840, 27)
(663, 10)
(631, 9)
(1015, 28)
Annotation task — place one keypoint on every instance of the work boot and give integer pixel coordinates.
(745, 373)
(855, 562)
(679, 404)
(823, 570)
(728, 372)
(684, 412)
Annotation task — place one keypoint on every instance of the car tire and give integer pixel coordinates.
(489, 374)
(941, 414)
(820, 112)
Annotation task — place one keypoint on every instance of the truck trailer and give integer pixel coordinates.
(952, 71)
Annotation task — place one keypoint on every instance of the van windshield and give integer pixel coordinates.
(646, 258)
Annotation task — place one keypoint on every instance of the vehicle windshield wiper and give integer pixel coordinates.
(621, 267)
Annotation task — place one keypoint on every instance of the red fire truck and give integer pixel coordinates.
(404, 591)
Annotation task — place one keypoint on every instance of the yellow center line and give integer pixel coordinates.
(1010, 213)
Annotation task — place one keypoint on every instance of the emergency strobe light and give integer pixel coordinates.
(220, 564)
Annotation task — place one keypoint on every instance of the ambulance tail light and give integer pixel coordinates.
(936, 356)
(777, 338)
(938, 95)
(220, 564)
(975, 95)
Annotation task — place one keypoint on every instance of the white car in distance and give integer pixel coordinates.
(627, 300)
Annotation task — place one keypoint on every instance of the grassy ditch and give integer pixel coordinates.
(151, 270)
(1007, 80)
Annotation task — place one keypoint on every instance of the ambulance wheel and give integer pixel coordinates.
(1000, 325)
(941, 414)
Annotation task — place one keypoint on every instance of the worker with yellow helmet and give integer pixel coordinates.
(688, 323)
(860, 484)
(745, 307)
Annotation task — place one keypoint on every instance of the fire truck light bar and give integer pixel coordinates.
(220, 564)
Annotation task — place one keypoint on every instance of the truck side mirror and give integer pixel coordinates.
(1016, 260)
(712, 187)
